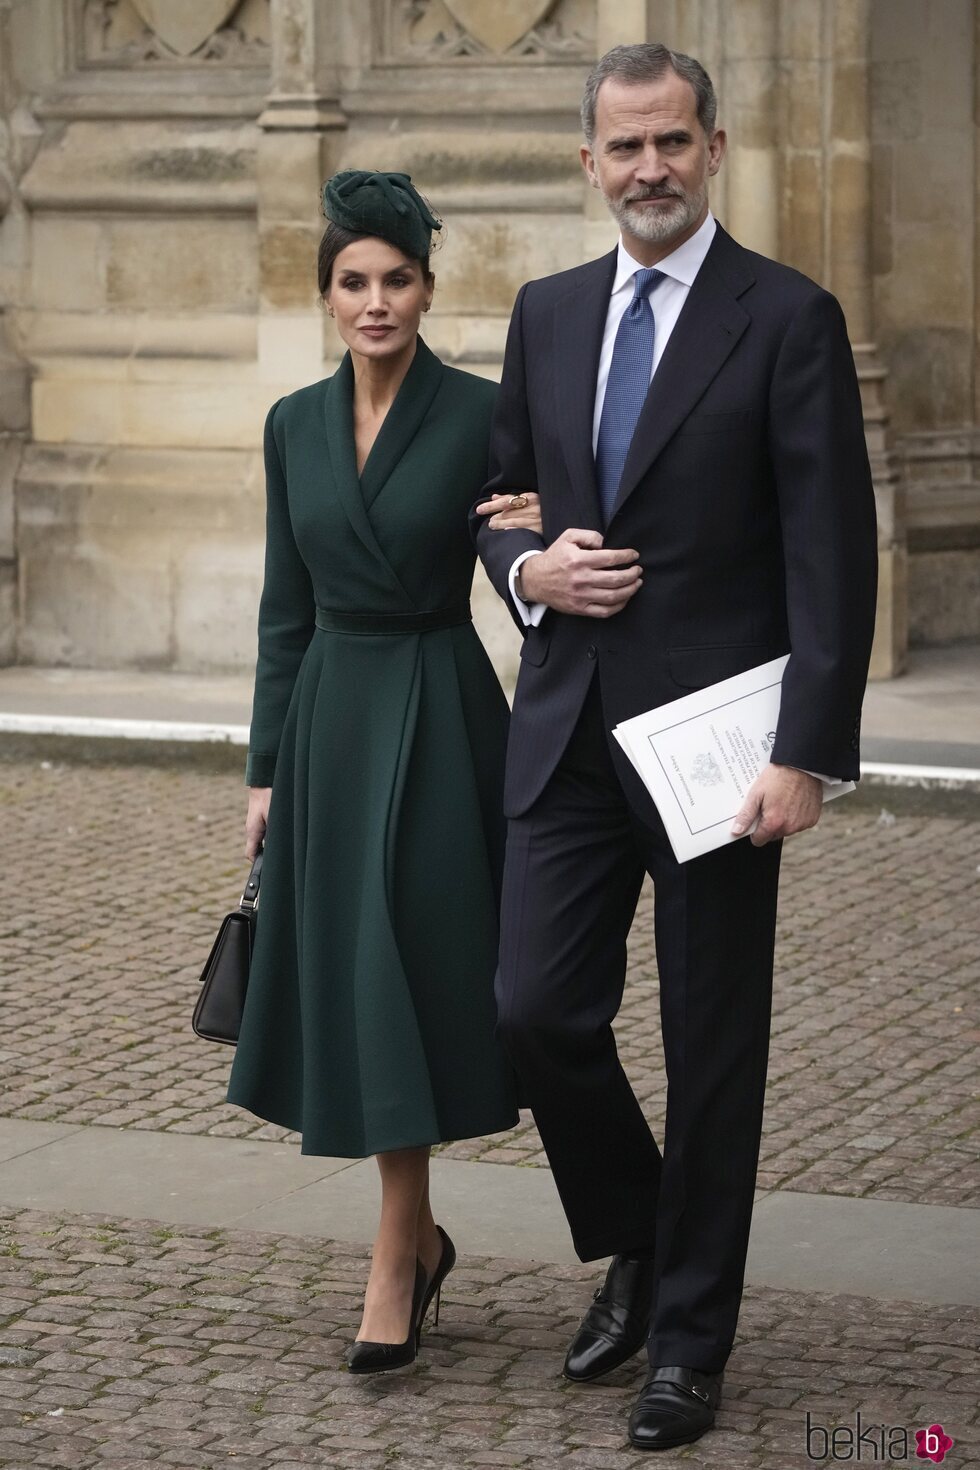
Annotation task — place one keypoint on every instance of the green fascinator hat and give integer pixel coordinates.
(380, 204)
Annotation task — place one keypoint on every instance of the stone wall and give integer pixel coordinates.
(926, 168)
(160, 166)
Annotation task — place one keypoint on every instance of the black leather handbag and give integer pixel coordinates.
(224, 979)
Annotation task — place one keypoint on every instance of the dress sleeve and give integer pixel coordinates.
(286, 619)
(512, 468)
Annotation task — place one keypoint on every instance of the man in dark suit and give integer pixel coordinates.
(689, 414)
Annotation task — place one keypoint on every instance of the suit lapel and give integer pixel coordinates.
(339, 414)
(710, 324)
(580, 318)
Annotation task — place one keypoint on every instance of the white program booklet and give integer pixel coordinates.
(698, 755)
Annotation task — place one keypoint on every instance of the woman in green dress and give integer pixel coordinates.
(375, 761)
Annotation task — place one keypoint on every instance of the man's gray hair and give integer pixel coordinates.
(646, 62)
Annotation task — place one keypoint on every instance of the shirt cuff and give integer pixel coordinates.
(827, 780)
(530, 613)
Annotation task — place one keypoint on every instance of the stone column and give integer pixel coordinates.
(16, 142)
(826, 231)
(847, 192)
(748, 87)
(299, 126)
(976, 230)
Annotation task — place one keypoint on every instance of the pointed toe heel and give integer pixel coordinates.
(383, 1357)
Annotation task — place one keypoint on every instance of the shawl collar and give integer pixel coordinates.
(580, 317)
(412, 402)
(402, 421)
(710, 324)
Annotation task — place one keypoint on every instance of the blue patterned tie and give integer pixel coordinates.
(627, 387)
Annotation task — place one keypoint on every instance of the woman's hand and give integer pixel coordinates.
(505, 516)
(256, 819)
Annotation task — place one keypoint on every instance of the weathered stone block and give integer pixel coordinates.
(287, 265)
(184, 413)
(802, 214)
(103, 539)
(849, 106)
(929, 177)
(804, 105)
(217, 585)
(105, 606)
(800, 31)
(11, 448)
(68, 263)
(944, 596)
(930, 376)
(882, 194)
(751, 29)
(191, 264)
(487, 258)
(292, 347)
(156, 165)
(15, 392)
(890, 647)
(289, 178)
(753, 198)
(751, 110)
(8, 612)
(473, 167)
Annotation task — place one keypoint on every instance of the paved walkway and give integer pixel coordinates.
(137, 1347)
(930, 716)
(177, 1282)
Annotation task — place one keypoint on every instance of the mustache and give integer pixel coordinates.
(660, 193)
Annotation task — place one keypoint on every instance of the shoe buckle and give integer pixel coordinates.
(597, 1294)
(699, 1393)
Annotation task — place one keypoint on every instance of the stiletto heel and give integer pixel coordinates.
(381, 1357)
(434, 1290)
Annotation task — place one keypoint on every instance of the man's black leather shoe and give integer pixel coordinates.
(616, 1324)
(676, 1405)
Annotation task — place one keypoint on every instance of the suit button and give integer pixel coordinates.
(591, 650)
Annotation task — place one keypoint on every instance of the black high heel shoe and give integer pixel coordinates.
(381, 1357)
(434, 1289)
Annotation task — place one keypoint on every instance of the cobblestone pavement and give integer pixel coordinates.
(117, 876)
(131, 1346)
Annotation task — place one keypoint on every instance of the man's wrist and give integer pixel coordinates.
(528, 611)
(520, 584)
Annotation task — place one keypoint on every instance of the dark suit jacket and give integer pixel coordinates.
(747, 492)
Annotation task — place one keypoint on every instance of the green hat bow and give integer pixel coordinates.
(387, 205)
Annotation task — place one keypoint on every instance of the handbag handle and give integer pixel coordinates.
(250, 896)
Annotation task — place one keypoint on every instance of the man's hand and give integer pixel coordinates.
(256, 819)
(785, 801)
(578, 575)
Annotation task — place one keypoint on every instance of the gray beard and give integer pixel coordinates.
(659, 225)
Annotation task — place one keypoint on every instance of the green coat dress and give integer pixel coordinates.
(380, 725)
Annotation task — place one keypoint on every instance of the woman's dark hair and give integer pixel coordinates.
(334, 240)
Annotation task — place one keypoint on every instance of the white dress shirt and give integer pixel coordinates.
(679, 270)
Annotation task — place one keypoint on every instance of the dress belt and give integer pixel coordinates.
(329, 621)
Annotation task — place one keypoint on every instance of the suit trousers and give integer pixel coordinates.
(573, 873)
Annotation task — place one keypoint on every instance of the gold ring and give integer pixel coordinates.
(517, 502)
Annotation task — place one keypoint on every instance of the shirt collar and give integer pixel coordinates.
(681, 264)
